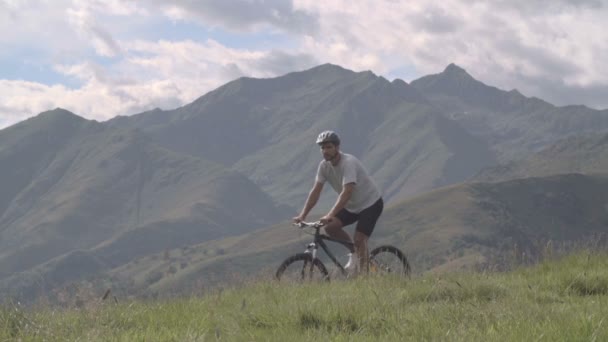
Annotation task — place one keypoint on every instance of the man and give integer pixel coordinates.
(359, 199)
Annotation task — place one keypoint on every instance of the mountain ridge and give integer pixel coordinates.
(512, 124)
(273, 117)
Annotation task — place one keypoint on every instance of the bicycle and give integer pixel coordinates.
(385, 259)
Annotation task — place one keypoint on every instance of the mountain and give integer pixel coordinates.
(161, 199)
(112, 192)
(265, 128)
(511, 124)
(587, 153)
(70, 184)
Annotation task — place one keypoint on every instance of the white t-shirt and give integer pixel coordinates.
(350, 170)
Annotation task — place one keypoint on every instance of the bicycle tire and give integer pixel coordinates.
(389, 259)
(297, 268)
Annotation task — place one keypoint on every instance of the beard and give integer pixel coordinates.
(330, 157)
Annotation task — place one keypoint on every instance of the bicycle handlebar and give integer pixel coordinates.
(316, 224)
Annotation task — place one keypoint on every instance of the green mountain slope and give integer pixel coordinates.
(114, 194)
(578, 154)
(27, 148)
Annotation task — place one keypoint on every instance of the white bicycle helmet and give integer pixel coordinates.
(328, 136)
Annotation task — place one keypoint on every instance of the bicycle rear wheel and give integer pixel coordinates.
(302, 268)
(388, 260)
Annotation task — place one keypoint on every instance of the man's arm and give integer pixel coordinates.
(311, 201)
(347, 192)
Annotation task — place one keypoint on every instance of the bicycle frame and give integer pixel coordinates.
(318, 240)
(310, 259)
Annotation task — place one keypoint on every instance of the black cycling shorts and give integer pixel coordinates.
(366, 219)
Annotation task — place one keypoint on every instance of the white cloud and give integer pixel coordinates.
(507, 44)
(160, 74)
(239, 15)
(61, 25)
(549, 49)
(85, 24)
(20, 99)
(95, 100)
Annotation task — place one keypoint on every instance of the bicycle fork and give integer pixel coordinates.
(312, 250)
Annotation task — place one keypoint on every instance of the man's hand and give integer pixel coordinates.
(326, 219)
(298, 219)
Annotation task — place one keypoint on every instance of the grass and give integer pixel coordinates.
(563, 300)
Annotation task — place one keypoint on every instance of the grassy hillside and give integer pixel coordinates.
(482, 224)
(463, 227)
(565, 300)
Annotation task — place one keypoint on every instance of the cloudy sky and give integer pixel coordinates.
(119, 57)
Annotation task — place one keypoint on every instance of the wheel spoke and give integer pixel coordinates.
(388, 260)
(301, 268)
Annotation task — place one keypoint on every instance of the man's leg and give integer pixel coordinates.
(362, 251)
(334, 229)
(367, 222)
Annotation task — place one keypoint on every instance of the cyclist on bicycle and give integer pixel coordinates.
(359, 199)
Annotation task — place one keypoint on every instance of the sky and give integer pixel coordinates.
(100, 59)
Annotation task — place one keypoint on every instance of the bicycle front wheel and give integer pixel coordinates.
(389, 260)
(302, 268)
